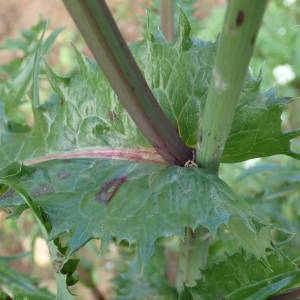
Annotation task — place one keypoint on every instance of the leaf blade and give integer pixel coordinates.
(136, 202)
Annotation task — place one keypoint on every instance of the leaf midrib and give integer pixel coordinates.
(129, 154)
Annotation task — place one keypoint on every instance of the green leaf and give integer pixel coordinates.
(14, 284)
(14, 257)
(239, 277)
(178, 74)
(131, 283)
(185, 295)
(14, 90)
(179, 77)
(84, 113)
(267, 287)
(139, 203)
(256, 130)
(90, 118)
(68, 269)
(105, 41)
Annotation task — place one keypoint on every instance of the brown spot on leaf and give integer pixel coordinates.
(63, 175)
(200, 140)
(240, 18)
(43, 190)
(109, 189)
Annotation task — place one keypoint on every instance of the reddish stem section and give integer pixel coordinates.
(289, 295)
(137, 155)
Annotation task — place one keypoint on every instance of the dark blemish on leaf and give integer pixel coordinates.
(43, 190)
(61, 101)
(66, 160)
(109, 189)
(63, 175)
(111, 115)
(209, 134)
(240, 18)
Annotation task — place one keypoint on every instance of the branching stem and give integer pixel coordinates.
(101, 33)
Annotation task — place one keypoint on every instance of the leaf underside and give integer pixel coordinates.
(140, 203)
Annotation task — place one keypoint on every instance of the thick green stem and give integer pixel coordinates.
(193, 256)
(240, 28)
(58, 260)
(112, 54)
(167, 18)
(236, 44)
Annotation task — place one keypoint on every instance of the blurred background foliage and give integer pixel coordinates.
(271, 185)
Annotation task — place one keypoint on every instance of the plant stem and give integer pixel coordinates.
(112, 54)
(193, 256)
(236, 44)
(60, 279)
(167, 18)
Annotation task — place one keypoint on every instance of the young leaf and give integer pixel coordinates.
(13, 90)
